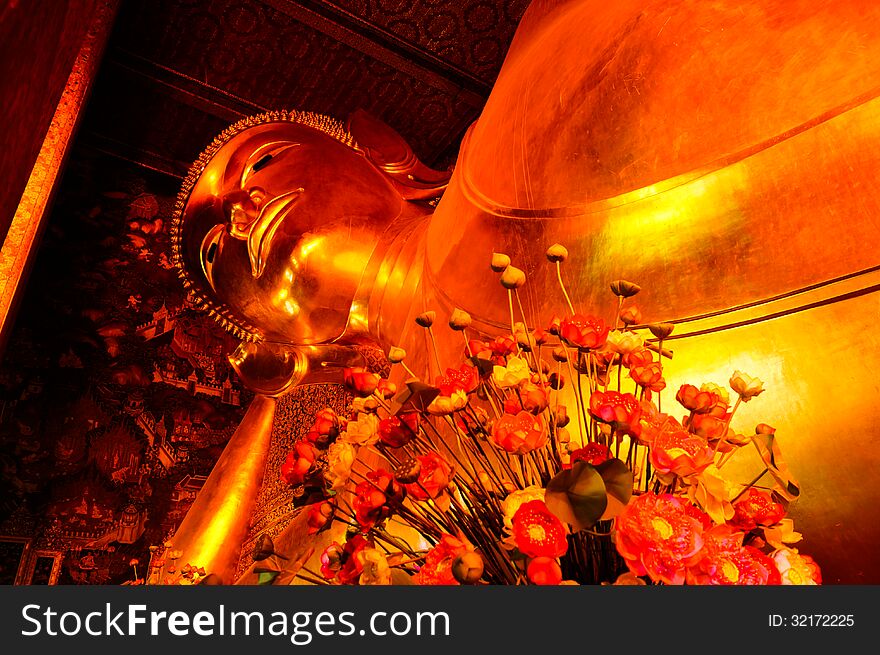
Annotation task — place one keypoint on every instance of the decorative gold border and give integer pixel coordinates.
(222, 314)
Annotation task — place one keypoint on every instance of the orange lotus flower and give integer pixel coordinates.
(373, 497)
(657, 537)
(638, 357)
(544, 571)
(344, 563)
(797, 569)
(537, 532)
(680, 453)
(397, 431)
(360, 381)
(725, 561)
(434, 476)
(620, 410)
(650, 376)
(695, 400)
(298, 463)
(587, 332)
(437, 569)
(520, 433)
(756, 507)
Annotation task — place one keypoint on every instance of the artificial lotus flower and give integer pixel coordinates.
(320, 516)
(398, 430)
(593, 453)
(797, 569)
(437, 569)
(386, 389)
(352, 563)
(468, 567)
(711, 491)
(721, 392)
(544, 571)
(324, 429)
(725, 561)
(517, 499)
(374, 567)
(638, 357)
(585, 332)
(620, 410)
(746, 386)
(624, 341)
(465, 378)
(679, 453)
(374, 497)
(533, 397)
(364, 431)
(630, 315)
(695, 400)
(649, 377)
(657, 537)
(360, 381)
(298, 463)
(537, 532)
(340, 458)
(435, 474)
(756, 508)
(782, 534)
(511, 374)
(443, 405)
(367, 404)
(520, 433)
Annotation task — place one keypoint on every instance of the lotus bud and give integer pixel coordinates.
(396, 355)
(630, 315)
(661, 330)
(467, 568)
(559, 354)
(562, 417)
(500, 261)
(563, 437)
(625, 289)
(513, 278)
(264, 547)
(459, 320)
(556, 381)
(557, 253)
(426, 319)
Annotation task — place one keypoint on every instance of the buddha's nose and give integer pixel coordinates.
(241, 209)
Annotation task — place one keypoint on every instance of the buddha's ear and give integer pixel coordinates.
(391, 154)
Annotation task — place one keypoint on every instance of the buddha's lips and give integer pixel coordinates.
(259, 242)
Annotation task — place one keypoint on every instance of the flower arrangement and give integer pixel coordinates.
(543, 457)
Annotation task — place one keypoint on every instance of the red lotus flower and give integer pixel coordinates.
(756, 507)
(709, 426)
(680, 453)
(298, 463)
(397, 431)
(374, 497)
(544, 571)
(534, 398)
(650, 376)
(503, 346)
(587, 332)
(325, 429)
(434, 477)
(593, 453)
(437, 569)
(465, 378)
(360, 381)
(520, 433)
(695, 400)
(656, 537)
(344, 563)
(621, 410)
(725, 561)
(537, 532)
(320, 516)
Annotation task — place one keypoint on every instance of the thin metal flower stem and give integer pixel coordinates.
(562, 286)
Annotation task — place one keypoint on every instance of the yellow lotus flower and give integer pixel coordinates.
(746, 386)
(624, 342)
(516, 371)
(362, 432)
(442, 405)
(712, 492)
(720, 391)
(376, 570)
(340, 458)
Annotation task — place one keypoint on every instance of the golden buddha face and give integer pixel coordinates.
(276, 225)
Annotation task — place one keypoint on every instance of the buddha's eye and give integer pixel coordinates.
(211, 247)
(262, 157)
(265, 160)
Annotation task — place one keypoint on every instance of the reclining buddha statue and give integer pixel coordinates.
(723, 155)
